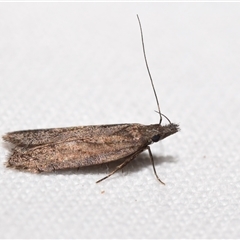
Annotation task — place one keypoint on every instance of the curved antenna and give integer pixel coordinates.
(164, 116)
(145, 58)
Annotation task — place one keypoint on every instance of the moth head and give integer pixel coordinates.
(160, 132)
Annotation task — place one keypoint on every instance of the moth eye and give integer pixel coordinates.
(156, 138)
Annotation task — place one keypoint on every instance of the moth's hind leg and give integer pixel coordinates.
(121, 166)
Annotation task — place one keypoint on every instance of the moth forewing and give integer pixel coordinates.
(69, 148)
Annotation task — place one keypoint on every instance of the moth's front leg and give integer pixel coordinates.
(122, 165)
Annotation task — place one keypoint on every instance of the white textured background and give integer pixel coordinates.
(77, 64)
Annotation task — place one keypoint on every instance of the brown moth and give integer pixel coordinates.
(46, 150)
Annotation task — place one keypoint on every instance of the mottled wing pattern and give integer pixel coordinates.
(60, 148)
(57, 135)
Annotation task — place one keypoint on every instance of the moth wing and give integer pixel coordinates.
(110, 143)
(30, 138)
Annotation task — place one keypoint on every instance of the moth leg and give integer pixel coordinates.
(152, 161)
(122, 165)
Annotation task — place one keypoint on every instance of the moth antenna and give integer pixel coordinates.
(164, 116)
(145, 58)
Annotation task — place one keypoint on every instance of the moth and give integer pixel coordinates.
(46, 150)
